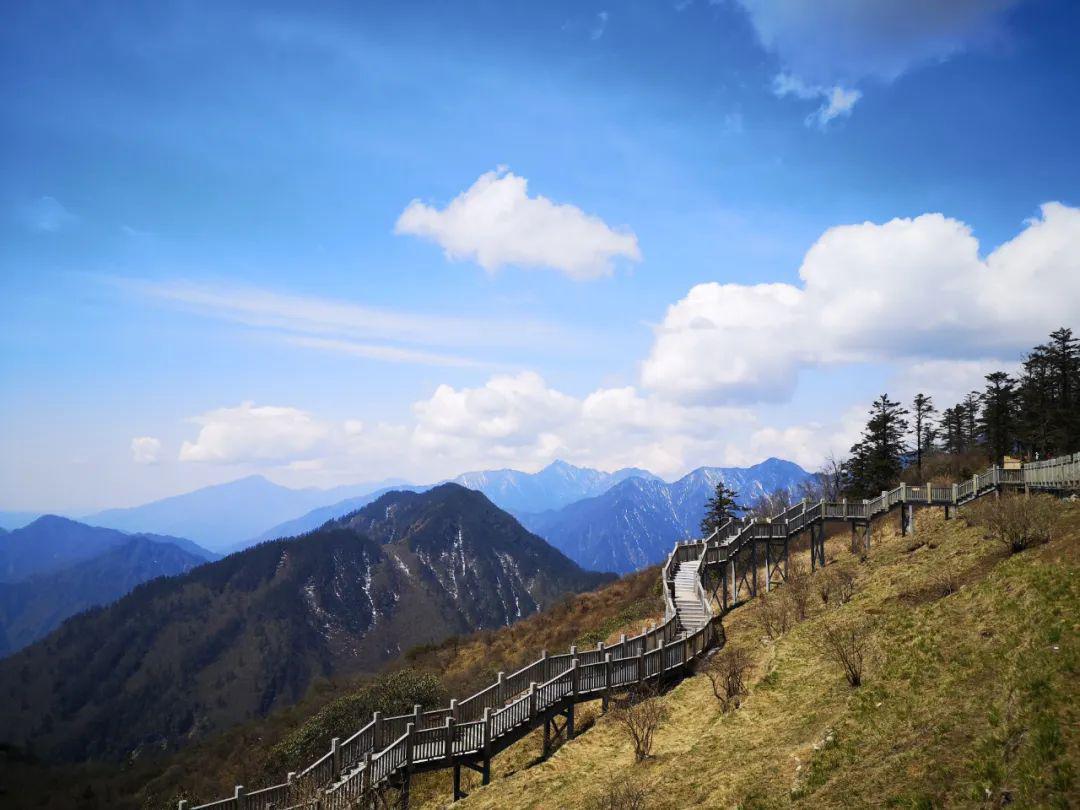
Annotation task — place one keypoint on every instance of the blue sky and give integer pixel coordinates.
(211, 263)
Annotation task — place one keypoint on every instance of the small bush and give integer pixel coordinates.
(774, 614)
(620, 793)
(640, 715)
(727, 671)
(1017, 521)
(843, 585)
(798, 590)
(846, 644)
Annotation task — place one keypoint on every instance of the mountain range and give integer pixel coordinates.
(180, 657)
(554, 486)
(635, 522)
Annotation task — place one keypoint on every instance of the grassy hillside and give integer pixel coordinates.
(969, 696)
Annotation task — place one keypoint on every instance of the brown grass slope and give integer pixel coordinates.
(969, 697)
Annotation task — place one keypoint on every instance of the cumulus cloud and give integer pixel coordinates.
(518, 420)
(145, 450)
(250, 433)
(829, 46)
(912, 289)
(496, 223)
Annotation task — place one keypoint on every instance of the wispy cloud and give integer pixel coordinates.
(344, 327)
(836, 101)
(46, 215)
(599, 26)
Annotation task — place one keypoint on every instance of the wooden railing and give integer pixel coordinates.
(526, 698)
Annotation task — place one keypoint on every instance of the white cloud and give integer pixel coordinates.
(835, 101)
(909, 289)
(145, 450)
(496, 223)
(250, 433)
(517, 420)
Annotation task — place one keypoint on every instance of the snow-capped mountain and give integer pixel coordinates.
(634, 523)
(555, 486)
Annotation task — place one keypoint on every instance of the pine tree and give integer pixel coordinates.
(1063, 361)
(952, 425)
(922, 409)
(876, 460)
(722, 505)
(997, 421)
(970, 410)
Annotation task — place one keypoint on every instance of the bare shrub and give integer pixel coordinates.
(843, 585)
(640, 715)
(727, 670)
(846, 643)
(798, 589)
(620, 793)
(1017, 521)
(947, 582)
(774, 614)
(825, 583)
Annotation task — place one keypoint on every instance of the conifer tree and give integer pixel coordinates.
(997, 420)
(876, 460)
(722, 505)
(922, 408)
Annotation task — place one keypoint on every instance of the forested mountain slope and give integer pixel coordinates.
(181, 657)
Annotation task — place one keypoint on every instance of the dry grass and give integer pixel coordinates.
(969, 696)
(1018, 522)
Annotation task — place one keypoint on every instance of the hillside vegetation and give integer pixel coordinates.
(969, 695)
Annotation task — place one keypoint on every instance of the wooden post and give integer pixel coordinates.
(607, 683)
(453, 709)
(768, 563)
(410, 731)
(575, 679)
(365, 780)
(641, 667)
(182, 805)
(376, 731)
(500, 688)
(753, 566)
(418, 716)
(570, 722)
(239, 794)
(532, 699)
(336, 756)
(448, 743)
(457, 782)
(486, 775)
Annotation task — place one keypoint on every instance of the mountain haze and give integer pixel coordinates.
(221, 516)
(52, 543)
(178, 658)
(35, 606)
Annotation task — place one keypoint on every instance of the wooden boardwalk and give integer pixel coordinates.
(702, 580)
